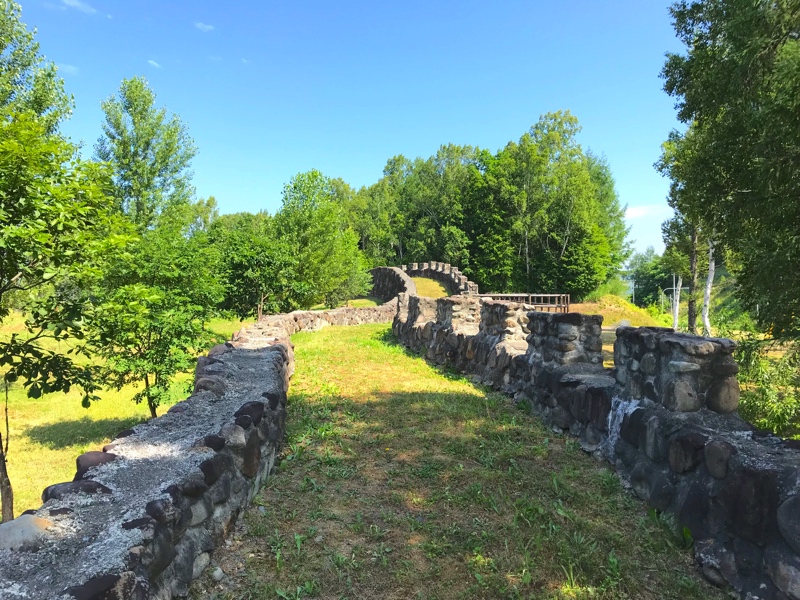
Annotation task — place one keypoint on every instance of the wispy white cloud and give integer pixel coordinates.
(81, 6)
(153, 63)
(68, 69)
(204, 27)
(245, 61)
(647, 210)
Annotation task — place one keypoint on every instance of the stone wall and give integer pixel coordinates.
(664, 416)
(284, 325)
(681, 371)
(685, 451)
(141, 519)
(455, 281)
(389, 282)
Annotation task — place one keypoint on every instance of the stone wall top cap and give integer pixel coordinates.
(695, 345)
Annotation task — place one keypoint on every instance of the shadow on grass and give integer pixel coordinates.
(447, 371)
(79, 431)
(387, 337)
(466, 476)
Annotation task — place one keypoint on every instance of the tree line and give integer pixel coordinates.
(734, 175)
(734, 168)
(539, 215)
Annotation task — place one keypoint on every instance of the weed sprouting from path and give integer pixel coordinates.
(400, 481)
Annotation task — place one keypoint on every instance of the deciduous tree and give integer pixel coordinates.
(259, 269)
(152, 303)
(312, 225)
(28, 82)
(53, 225)
(150, 153)
(737, 87)
(649, 277)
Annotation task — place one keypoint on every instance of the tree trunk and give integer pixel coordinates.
(676, 302)
(707, 295)
(527, 264)
(692, 316)
(150, 403)
(6, 491)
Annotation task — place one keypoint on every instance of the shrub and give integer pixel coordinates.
(770, 377)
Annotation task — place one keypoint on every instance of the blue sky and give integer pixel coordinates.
(270, 89)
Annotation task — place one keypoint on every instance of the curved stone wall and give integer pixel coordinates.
(389, 282)
(446, 274)
(141, 518)
(664, 416)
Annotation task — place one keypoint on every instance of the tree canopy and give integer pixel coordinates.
(259, 269)
(311, 222)
(152, 301)
(150, 153)
(53, 227)
(28, 82)
(53, 224)
(649, 275)
(540, 215)
(737, 86)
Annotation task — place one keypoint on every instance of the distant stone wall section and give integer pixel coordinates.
(665, 416)
(142, 518)
(448, 275)
(288, 324)
(389, 282)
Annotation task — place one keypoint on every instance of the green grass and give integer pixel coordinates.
(614, 287)
(354, 303)
(224, 327)
(364, 302)
(400, 480)
(48, 433)
(430, 288)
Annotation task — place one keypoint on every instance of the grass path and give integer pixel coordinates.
(399, 480)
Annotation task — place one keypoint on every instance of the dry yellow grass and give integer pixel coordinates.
(430, 288)
(616, 311)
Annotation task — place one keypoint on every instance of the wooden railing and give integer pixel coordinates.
(540, 302)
